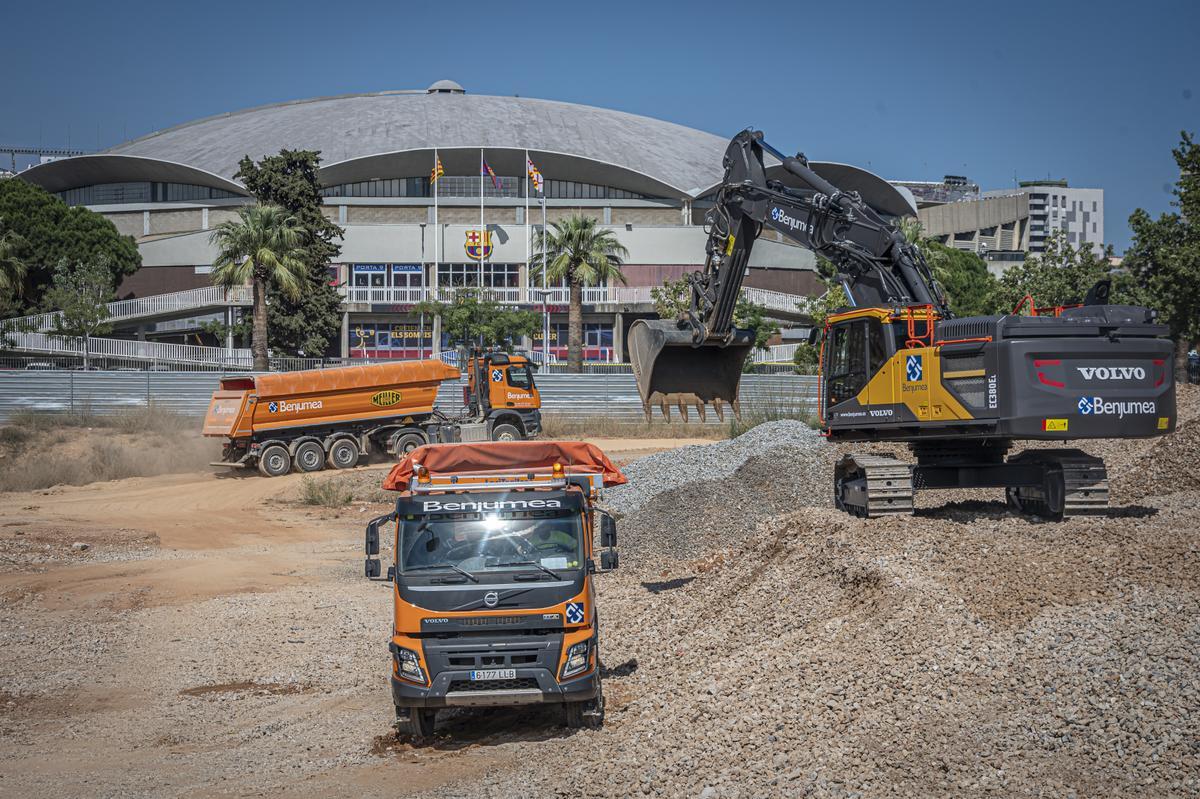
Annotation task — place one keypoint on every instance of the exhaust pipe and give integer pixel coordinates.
(672, 369)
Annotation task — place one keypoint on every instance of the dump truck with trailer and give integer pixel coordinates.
(333, 417)
(491, 577)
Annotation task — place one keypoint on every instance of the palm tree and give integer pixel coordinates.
(581, 254)
(263, 247)
(12, 268)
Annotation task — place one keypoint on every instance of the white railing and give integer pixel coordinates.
(776, 353)
(156, 305)
(124, 348)
(773, 300)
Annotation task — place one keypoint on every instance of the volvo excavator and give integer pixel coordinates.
(897, 366)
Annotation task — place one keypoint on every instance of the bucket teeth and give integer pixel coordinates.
(720, 409)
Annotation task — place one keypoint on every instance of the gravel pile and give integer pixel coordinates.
(682, 502)
(663, 471)
(836, 657)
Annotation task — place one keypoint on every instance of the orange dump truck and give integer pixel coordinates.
(492, 554)
(335, 417)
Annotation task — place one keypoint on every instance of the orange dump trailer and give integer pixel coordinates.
(333, 417)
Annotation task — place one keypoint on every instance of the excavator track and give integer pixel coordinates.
(870, 486)
(1075, 484)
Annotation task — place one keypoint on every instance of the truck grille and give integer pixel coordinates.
(493, 685)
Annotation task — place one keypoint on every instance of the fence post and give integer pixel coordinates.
(71, 390)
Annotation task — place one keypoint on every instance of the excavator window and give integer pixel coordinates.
(848, 361)
(876, 346)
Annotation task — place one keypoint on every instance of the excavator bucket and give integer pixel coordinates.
(671, 370)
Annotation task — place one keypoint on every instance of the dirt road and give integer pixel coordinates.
(204, 634)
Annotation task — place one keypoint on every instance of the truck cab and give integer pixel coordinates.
(500, 391)
(491, 573)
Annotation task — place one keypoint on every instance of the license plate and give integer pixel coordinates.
(494, 674)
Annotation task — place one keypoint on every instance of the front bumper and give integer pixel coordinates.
(531, 686)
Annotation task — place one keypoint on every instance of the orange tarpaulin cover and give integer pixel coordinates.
(576, 457)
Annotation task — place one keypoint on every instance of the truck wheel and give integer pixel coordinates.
(343, 454)
(506, 432)
(310, 457)
(274, 461)
(406, 443)
(415, 722)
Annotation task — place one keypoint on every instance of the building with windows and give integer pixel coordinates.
(407, 238)
(1053, 206)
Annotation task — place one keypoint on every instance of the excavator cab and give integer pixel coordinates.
(673, 369)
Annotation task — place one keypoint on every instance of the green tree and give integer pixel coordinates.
(307, 323)
(81, 293)
(672, 299)
(1164, 258)
(751, 316)
(262, 247)
(12, 272)
(472, 319)
(48, 232)
(582, 254)
(963, 276)
(818, 309)
(1061, 275)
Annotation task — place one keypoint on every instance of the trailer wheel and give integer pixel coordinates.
(343, 454)
(310, 457)
(406, 443)
(274, 461)
(506, 432)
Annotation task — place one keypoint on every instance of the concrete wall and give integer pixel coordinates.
(386, 215)
(129, 224)
(151, 280)
(176, 221)
(667, 246)
(973, 215)
(647, 216)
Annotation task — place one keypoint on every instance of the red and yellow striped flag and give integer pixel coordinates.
(437, 170)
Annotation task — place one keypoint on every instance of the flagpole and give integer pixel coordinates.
(528, 244)
(545, 268)
(481, 250)
(437, 230)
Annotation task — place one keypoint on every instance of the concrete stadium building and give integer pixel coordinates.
(646, 179)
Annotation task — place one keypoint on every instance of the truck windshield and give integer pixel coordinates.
(479, 542)
(519, 377)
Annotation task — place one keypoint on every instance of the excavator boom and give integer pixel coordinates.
(698, 358)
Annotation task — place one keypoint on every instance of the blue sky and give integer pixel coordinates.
(1095, 92)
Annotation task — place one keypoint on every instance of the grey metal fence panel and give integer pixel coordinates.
(607, 395)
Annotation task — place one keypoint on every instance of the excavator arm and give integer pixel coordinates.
(698, 358)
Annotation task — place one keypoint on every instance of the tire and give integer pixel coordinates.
(590, 714)
(507, 432)
(309, 457)
(419, 723)
(274, 461)
(406, 443)
(343, 454)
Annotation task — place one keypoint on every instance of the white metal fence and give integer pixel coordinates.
(612, 395)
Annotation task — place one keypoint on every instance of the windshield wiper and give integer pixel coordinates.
(461, 571)
(529, 563)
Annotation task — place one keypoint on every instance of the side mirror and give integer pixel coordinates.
(373, 532)
(608, 531)
(609, 560)
(372, 568)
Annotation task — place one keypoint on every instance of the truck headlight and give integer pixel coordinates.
(577, 658)
(409, 665)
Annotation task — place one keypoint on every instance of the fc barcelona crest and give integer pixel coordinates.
(475, 248)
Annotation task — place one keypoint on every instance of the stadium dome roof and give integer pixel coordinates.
(656, 157)
(392, 134)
